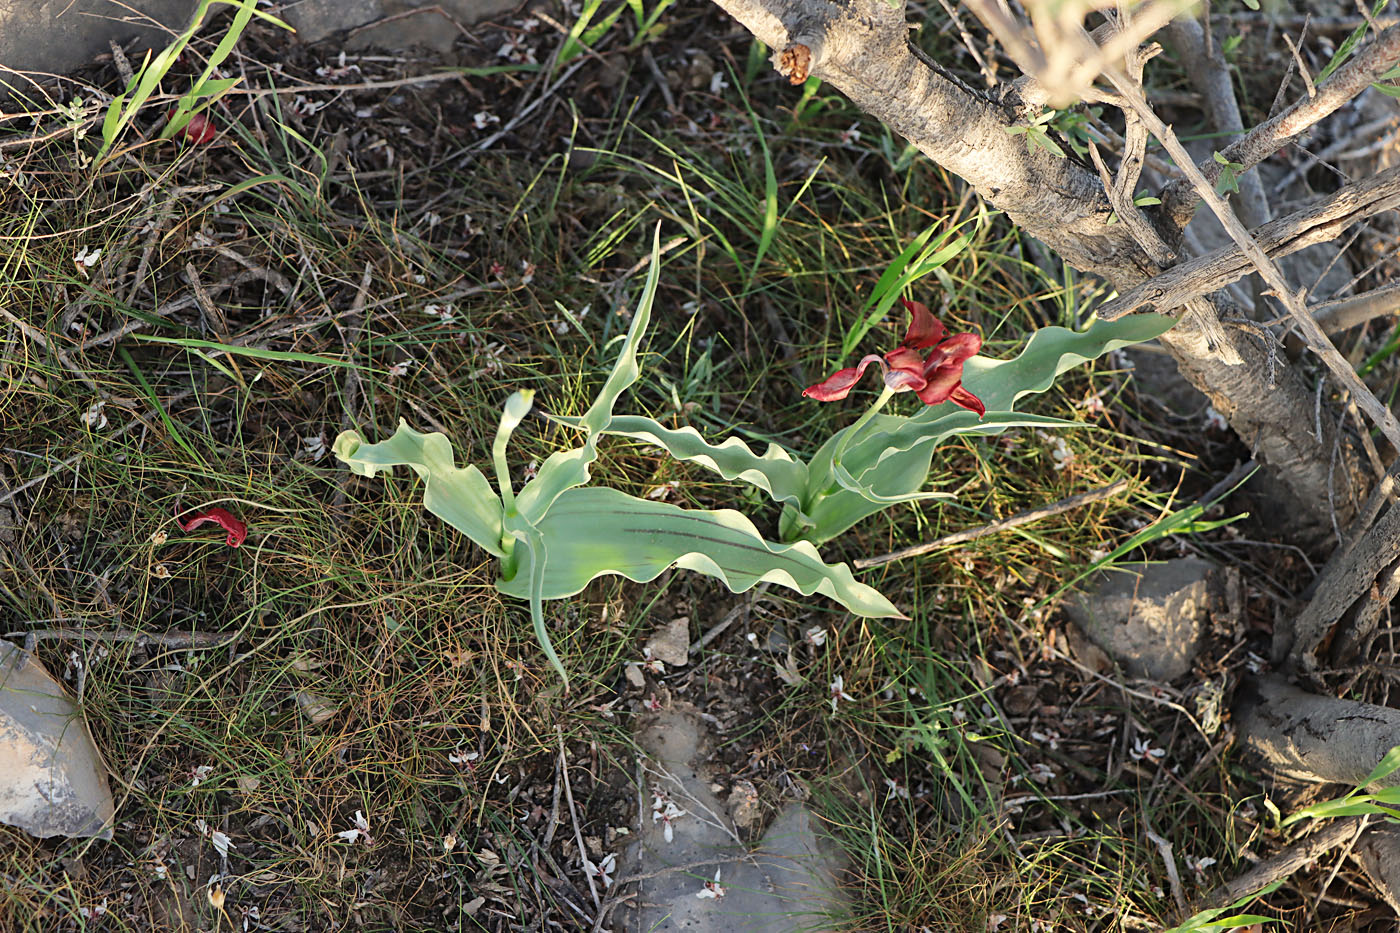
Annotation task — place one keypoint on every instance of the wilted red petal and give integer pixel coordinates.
(839, 384)
(944, 366)
(925, 330)
(955, 350)
(237, 531)
(906, 359)
(198, 131)
(966, 399)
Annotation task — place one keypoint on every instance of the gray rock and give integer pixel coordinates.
(57, 36)
(788, 884)
(1150, 618)
(48, 37)
(391, 24)
(52, 780)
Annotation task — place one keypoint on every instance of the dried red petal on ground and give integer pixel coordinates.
(237, 531)
(198, 131)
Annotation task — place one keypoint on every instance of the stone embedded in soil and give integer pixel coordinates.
(52, 779)
(57, 36)
(1150, 618)
(671, 643)
(788, 883)
(391, 24)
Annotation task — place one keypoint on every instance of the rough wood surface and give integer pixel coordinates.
(1313, 738)
(1379, 855)
(1318, 223)
(1346, 579)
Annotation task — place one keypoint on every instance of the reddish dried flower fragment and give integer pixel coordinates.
(927, 362)
(237, 531)
(198, 131)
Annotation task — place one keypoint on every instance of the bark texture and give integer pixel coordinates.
(1312, 738)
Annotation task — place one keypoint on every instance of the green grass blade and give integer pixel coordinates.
(257, 353)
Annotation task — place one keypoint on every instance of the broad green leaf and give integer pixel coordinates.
(569, 468)
(593, 531)
(897, 474)
(776, 472)
(461, 497)
(1050, 352)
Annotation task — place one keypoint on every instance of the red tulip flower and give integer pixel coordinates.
(935, 376)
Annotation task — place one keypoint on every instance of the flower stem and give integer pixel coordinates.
(850, 434)
(517, 407)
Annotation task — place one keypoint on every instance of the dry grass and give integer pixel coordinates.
(396, 267)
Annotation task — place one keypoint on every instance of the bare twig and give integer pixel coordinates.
(173, 640)
(573, 812)
(1346, 313)
(1285, 863)
(1318, 223)
(1015, 521)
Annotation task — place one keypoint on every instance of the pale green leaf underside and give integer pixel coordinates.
(595, 531)
(461, 497)
(567, 469)
(776, 473)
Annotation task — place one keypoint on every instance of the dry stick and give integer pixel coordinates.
(1317, 341)
(1321, 222)
(573, 812)
(1285, 863)
(174, 640)
(1015, 521)
(1173, 878)
(1346, 313)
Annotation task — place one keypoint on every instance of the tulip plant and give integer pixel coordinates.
(557, 533)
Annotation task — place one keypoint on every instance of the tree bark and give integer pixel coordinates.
(1312, 738)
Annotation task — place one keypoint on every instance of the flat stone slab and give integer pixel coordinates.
(52, 779)
(788, 883)
(1150, 618)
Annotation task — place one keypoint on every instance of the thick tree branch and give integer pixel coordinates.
(1346, 313)
(1313, 738)
(1212, 79)
(1317, 341)
(862, 49)
(1348, 81)
(1321, 222)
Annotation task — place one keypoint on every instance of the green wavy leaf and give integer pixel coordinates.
(593, 531)
(461, 497)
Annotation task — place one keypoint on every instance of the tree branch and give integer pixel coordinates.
(1320, 223)
(1317, 341)
(862, 49)
(1347, 82)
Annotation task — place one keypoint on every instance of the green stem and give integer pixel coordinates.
(850, 434)
(516, 408)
